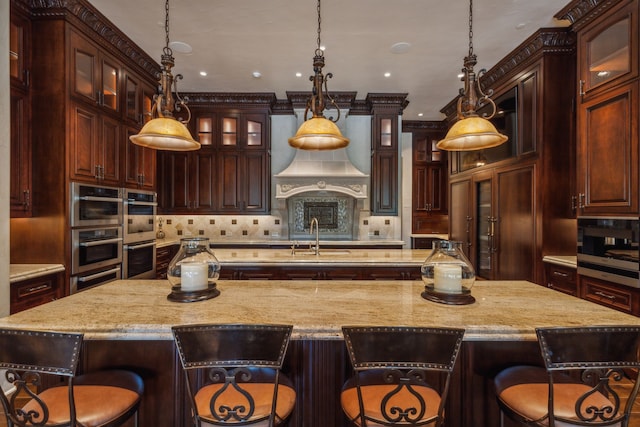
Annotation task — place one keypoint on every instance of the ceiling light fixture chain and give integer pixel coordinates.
(319, 132)
(472, 131)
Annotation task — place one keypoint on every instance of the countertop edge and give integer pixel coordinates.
(564, 260)
(20, 272)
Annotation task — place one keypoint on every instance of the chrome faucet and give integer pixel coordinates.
(314, 220)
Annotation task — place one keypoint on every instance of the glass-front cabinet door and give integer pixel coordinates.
(608, 51)
(485, 228)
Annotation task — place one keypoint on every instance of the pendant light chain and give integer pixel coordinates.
(166, 25)
(319, 22)
(470, 28)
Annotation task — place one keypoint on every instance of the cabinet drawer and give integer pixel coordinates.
(33, 292)
(562, 279)
(611, 295)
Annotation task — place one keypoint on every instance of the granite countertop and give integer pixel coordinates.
(139, 309)
(565, 260)
(337, 257)
(20, 272)
(280, 243)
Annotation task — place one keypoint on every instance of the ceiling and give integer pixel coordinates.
(232, 39)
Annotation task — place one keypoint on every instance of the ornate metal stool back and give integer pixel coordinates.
(402, 374)
(233, 373)
(602, 357)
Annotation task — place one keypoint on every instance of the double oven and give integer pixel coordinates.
(112, 235)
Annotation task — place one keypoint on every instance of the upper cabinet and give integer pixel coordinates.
(95, 76)
(385, 134)
(607, 107)
(231, 172)
(20, 191)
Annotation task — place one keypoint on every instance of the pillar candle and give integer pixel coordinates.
(447, 279)
(194, 276)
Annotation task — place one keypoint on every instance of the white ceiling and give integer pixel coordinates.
(233, 38)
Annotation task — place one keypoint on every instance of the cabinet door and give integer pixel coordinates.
(20, 173)
(255, 184)
(460, 215)
(19, 51)
(174, 183)
(513, 225)
(109, 151)
(484, 224)
(204, 188)
(607, 158)
(384, 165)
(608, 50)
(95, 76)
(83, 144)
(140, 164)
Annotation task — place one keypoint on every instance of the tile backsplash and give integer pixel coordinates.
(262, 227)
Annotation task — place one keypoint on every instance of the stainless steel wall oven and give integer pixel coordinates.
(139, 215)
(609, 249)
(139, 260)
(93, 248)
(93, 205)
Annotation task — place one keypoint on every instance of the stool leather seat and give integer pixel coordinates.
(588, 379)
(524, 390)
(402, 374)
(106, 398)
(240, 365)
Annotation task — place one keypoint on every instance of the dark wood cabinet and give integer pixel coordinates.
(164, 255)
(36, 291)
(429, 178)
(618, 297)
(20, 181)
(561, 278)
(513, 206)
(607, 106)
(315, 272)
(231, 171)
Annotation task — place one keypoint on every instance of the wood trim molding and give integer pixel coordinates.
(581, 12)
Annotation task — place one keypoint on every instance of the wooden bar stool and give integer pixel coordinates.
(233, 373)
(589, 379)
(32, 358)
(402, 374)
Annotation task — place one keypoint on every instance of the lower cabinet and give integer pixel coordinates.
(561, 278)
(164, 255)
(30, 293)
(307, 272)
(618, 297)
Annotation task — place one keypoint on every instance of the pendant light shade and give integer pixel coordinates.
(163, 131)
(319, 132)
(472, 131)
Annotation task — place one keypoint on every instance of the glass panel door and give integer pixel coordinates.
(483, 229)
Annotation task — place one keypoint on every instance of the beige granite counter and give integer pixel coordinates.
(139, 309)
(287, 243)
(333, 257)
(20, 272)
(566, 260)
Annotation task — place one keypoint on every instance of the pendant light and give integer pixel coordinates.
(164, 131)
(318, 132)
(472, 131)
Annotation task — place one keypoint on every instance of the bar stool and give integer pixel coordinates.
(585, 381)
(103, 398)
(401, 376)
(233, 373)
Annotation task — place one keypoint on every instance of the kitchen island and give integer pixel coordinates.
(127, 324)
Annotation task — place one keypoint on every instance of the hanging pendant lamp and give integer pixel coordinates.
(164, 131)
(472, 131)
(318, 132)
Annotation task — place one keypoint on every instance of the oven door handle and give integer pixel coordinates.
(135, 202)
(100, 199)
(140, 246)
(100, 242)
(98, 275)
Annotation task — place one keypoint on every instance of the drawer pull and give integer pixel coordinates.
(560, 273)
(607, 296)
(34, 289)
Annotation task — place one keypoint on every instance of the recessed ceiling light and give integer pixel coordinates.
(521, 25)
(298, 74)
(203, 73)
(181, 47)
(401, 47)
(256, 74)
(387, 74)
(420, 114)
